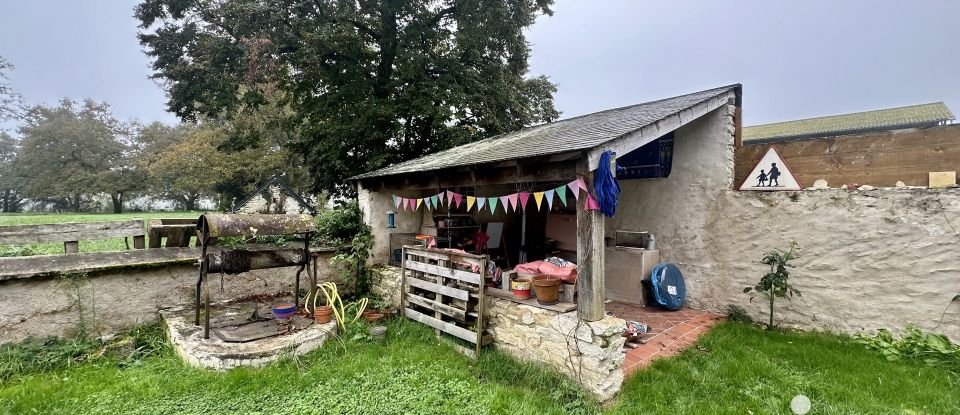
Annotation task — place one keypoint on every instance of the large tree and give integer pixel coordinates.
(10, 189)
(11, 104)
(73, 151)
(190, 165)
(367, 82)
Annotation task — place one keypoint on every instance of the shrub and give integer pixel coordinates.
(776, 282)
(339, 226)
(915, 344)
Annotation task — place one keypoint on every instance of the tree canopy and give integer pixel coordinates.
(363, 83)
(11, 104)
(73, 150)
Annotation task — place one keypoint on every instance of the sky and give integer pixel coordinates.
(795, 59)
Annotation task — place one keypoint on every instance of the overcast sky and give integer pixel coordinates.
(795, 59)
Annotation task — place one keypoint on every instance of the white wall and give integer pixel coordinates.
(375, 206)
(676, 208)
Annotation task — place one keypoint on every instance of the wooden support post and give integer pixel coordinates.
(139, 242)
(590, 254)
(71, 247)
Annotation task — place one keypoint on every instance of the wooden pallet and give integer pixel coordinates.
(440, 289)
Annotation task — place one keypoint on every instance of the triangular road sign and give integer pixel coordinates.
(771, 174)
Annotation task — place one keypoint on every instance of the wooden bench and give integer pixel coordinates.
(72, 233)
(177, 231)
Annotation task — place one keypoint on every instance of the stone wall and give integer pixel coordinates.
(590, 353)
(108, 302)
(868, 259)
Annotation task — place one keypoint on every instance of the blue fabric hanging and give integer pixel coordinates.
(606, 186)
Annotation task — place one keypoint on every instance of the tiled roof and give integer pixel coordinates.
(573, 134)
(902, 117)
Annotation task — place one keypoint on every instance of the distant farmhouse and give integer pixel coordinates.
(878, 148)
(274, 196)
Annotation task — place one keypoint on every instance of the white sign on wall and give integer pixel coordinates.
(770, 174)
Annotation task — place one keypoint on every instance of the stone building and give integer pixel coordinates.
(274, 196)
(677, 153)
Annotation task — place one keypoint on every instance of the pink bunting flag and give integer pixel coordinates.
(591, 204)
(410, 204)
(513, 201)
(505, 202)
(582, 183)
(449, 196)
(575, 188)
(524, 198)
(457, 198)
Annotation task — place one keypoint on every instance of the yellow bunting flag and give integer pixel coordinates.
(419, 202)
(470, 201)
(538, 197)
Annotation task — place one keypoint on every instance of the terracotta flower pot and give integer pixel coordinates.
(547, 289)
(521, 288)
(372, 315)
(322, 314)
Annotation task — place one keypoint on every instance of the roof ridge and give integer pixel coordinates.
(856, 113)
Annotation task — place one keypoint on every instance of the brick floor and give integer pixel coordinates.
(670, 332)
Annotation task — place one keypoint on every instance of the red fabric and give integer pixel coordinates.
(480, 241)
(566, 274)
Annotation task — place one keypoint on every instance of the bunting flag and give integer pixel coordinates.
(582, 184)
(457, 198)
(575, 188)
(591, 203)
(513, 202)
(538, 197)
(524, 198)
(505, 201)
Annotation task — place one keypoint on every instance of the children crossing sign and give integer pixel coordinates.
(770, 174)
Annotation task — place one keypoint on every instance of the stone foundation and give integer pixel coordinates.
(213, 353)
(590, 353)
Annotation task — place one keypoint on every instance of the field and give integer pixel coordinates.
(112, 244)
(736, 369)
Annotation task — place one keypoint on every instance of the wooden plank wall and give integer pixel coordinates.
(877, 159)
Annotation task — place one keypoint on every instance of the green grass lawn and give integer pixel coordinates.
(111, 244)
(740, 370)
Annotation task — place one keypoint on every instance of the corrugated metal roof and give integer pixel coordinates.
(914, 115)
(573, 134)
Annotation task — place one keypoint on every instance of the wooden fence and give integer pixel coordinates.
(878, 159)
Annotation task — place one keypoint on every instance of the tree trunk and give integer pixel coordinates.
(75, 205)
(190, 202)
(117, 199)
(770, 326)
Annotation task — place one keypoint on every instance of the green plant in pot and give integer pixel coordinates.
(776, 282)
(333, 305)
